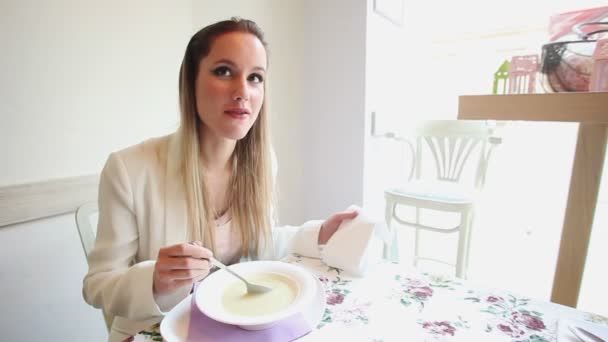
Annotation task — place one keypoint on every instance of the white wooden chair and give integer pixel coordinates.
(86, 221)
(450, 147)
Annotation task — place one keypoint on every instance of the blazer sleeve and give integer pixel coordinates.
(301, 240)
(115, 282)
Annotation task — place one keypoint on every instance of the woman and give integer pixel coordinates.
(168, 204)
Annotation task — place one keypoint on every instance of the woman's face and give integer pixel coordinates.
(230, 85)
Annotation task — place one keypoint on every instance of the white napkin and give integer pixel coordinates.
(357, 244)
(564, 334)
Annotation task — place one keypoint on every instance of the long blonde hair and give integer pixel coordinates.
(251, 187)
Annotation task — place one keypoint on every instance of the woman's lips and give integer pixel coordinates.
(237, 113)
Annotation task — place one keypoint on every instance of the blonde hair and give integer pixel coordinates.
(251, 187)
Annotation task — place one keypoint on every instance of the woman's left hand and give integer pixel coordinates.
(331, 225)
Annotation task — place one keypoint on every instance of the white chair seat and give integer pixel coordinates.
(446, 192)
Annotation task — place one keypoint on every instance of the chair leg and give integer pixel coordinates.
(391, 248)
(467, 249)
(416, 238)
(394, 257)
(463, 243)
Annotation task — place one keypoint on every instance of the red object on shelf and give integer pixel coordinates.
(599, 76)
(567, 61)
(561, 25)
(522, 74)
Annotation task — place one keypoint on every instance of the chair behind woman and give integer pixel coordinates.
(447, 149)
(86, 222)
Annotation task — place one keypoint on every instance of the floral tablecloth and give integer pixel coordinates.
(397, 303)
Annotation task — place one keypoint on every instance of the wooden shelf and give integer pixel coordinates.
(588, 107)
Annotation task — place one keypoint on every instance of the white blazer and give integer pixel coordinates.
(142, 208)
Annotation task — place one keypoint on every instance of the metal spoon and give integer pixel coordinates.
(585, 335)
(251, 288)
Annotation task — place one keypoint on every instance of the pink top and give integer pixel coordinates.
(227, 240)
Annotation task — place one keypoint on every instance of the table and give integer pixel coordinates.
(394, 302)
(590, 110)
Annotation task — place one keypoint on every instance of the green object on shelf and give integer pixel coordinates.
(500, 78)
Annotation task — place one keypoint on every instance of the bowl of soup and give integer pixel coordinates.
(224, 298)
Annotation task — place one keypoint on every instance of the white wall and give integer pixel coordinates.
(78, 79)
(81, 79)
(334, 105)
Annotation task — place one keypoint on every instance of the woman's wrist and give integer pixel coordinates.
(323, 238)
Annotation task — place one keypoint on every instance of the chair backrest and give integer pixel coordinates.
(85, 214)
(455, 146)
(86, 222)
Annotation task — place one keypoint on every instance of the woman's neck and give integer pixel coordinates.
(216, 153)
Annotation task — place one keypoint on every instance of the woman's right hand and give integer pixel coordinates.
(180, 265)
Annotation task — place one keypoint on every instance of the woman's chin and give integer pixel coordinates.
(235, 134)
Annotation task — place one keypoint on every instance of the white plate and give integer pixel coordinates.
(174, 327)
(208, 296)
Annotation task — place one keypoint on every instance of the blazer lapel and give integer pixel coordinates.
(176, 214)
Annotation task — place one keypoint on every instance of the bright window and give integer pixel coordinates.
(452, 49)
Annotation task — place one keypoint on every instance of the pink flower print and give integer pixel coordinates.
(440, 328)
(493, 299)
(422, 292)
(505, 328)
(531, 322)
(335, 298)
(415, 282)
(510, 330)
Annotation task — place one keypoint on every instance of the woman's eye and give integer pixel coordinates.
(222, 71)
(256, 78)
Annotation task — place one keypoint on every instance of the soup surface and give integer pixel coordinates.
(237, 301)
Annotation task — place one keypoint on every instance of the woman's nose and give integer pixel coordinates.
(241, 90)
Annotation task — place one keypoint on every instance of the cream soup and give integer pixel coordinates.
(237, 301)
